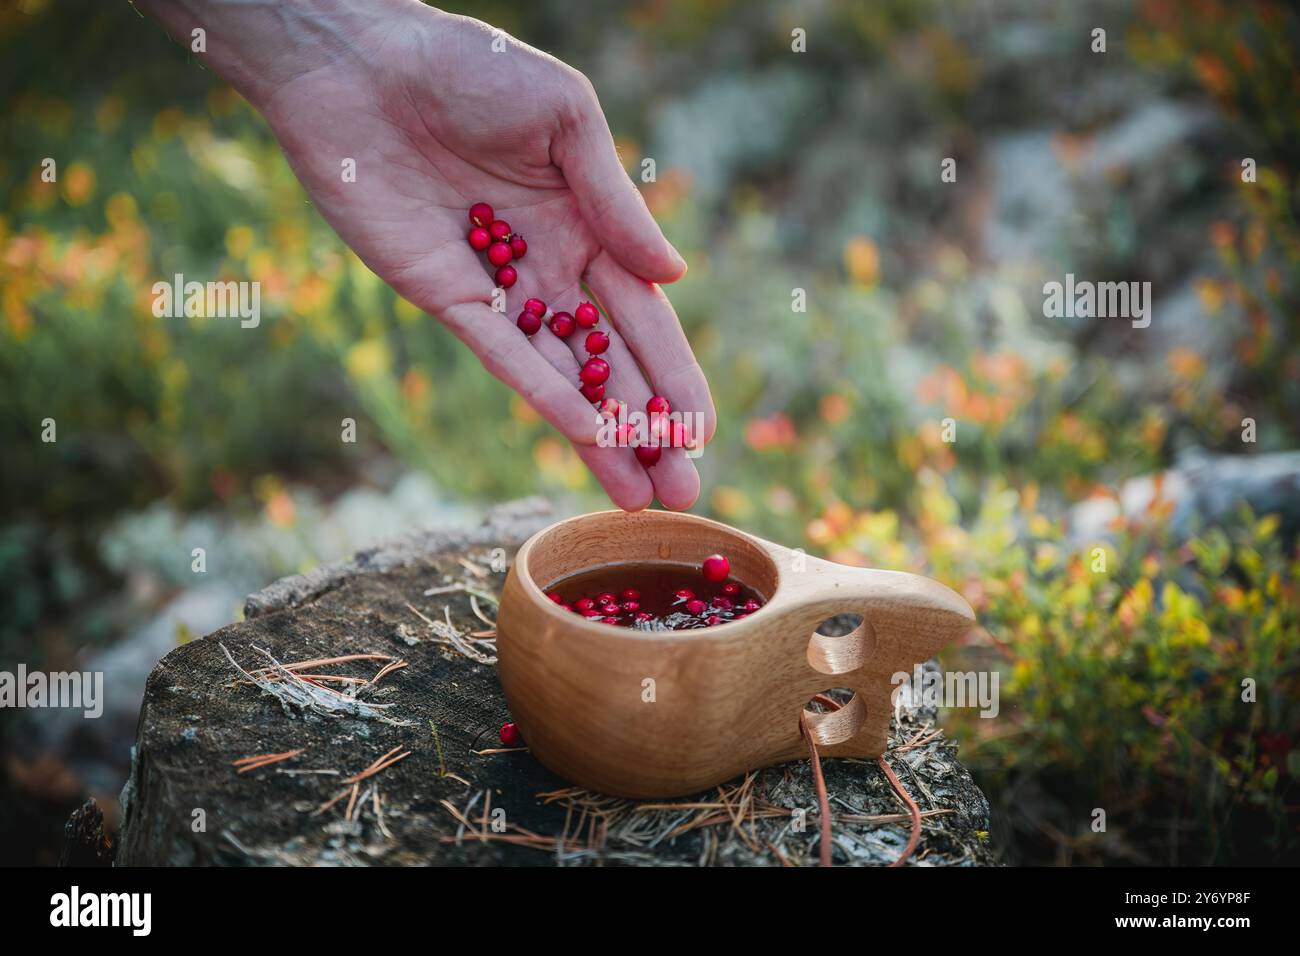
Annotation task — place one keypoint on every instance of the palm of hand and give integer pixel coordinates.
(429, 138)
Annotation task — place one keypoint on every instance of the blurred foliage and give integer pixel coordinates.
(1247, 57)
(813, 173)
(1150, 677)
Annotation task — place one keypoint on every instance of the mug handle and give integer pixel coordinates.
(906, 619)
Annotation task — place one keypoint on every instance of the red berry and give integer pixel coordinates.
(722, 603)
(623, 435)
(509, 735)
(610, 610)
(658, 406)
(605, 597)
(518, 246)
(535, 306)
(750, 606)
(631, 606)
(499, 253)
(586, 314)
(584, 604)
(610, 408)
(648, 455)
(507, 276)
(716, 568)
(609, 620)
(591, 612)
(593, 393)
(695, 606)
(676, 437)
(685, 594)
(713, 620)
(529, 322)
(562, 324)
(479, 239)
(631, 594)
(555, 596)
(480, 214)
(499, 229)
(731, 589)
(644, 616)
(594, 371)
(597, 342)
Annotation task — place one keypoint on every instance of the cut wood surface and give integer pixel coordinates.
(251, 762)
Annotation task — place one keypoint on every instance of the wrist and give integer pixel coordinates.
(259, 45)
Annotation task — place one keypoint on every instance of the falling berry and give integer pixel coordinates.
(529, 322)
(518, 246)
(586, 314)
(716, 568)
(479, 238)
(499, 229)
(535, 306)
(562, 324)
(510, 735)
(507, 276)
(597, 342)
(481, 214)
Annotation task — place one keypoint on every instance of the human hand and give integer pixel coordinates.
(436, 121)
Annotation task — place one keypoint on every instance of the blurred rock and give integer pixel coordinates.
(1204, 490)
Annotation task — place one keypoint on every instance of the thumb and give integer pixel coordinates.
(610, 203)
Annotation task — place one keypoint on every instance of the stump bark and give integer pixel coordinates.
(457, 799)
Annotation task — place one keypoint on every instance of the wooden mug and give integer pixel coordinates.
(667, 713)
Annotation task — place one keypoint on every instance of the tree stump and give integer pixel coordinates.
(459, 797)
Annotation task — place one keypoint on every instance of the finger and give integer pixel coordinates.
(676, 482)
(646, 321)
(611, 205)
(628, 485)
(617, 470)
(507, 354)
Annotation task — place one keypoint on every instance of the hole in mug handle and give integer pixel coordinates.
(830, 726)
(843, 654)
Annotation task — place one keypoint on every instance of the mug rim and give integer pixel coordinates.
(537, 595)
